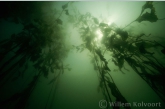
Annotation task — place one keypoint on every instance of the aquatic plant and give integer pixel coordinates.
(135, 50)
(42, 44)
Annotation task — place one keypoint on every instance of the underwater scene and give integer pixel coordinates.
(82, 55)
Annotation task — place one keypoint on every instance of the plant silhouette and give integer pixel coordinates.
(41, 44)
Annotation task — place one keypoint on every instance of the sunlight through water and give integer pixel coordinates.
(98, 37)
(111, 20)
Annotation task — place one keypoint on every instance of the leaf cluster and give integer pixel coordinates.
(151, 17)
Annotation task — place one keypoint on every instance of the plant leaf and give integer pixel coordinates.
(44, 71)
(59, 21)
(103, 25)
(151, 17)
(95, 20)
(123, 34)
(66, 12)
(65, 6)
(148, 4)
(120, 62)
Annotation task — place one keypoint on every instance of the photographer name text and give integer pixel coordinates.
(103, 104)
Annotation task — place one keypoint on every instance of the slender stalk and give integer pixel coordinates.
(51, 90)
(129, 24)
(7, 63)
(157, 67)
(8, 77)
(5, 52)
(102, 76)
(21, 104)
(136, 58)
(8, 72)
(54, 91)
(136, 70)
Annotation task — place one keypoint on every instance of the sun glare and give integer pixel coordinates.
(100, 35)
(110, 20)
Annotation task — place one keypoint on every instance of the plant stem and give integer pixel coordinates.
(102, 77)
(129, 24)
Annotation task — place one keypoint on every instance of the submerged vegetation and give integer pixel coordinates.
(42, 45)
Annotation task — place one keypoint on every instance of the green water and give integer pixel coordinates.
(78, 88)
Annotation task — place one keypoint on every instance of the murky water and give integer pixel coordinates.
(78, 88)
